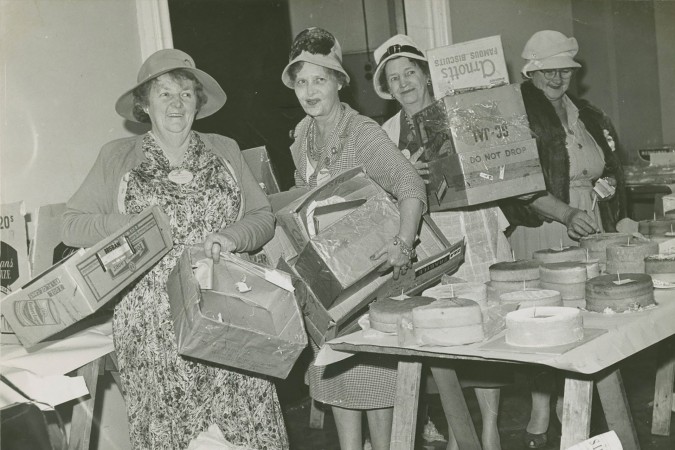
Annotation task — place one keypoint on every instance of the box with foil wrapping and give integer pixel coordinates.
(479, 148)
(435, 257)
(258, 160)
(245, 316)
(338, 226)
(84, 282)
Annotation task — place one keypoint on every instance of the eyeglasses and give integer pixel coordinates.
(550, 74)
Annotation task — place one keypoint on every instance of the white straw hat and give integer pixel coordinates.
(549, 49)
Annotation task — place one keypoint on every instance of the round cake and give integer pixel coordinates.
(629, 258)
(496, 288)
(661, 268)
(526, 269)
(555, 255)
(384, 314)
(618, 294)
(596, 244)
(660, 264)
(656, 227)
(568, 278)
(592, 268)
(473, 291)
(546, 326)
(532, 297)
(448, 321)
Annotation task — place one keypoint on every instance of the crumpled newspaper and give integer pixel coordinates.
(213, 439)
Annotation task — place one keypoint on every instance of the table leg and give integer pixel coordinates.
(576, 419)
(405, 408)
(455, 407)
(615, 405)
(663, 391)
(83, 411)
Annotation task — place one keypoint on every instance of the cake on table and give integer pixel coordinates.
(661, 267)
(532, 297)
(596, 244)
(472, 291)
(629, 257)
(568, 278)
(509, 276)
(619, 292)
(546, 326)
(563, 254)
(448, 321)
(384, 314)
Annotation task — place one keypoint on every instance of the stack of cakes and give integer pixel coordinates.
(568, 278)
(597, 244)
(628, 257)
(512, 276)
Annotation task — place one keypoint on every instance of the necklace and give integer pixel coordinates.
(315, 151)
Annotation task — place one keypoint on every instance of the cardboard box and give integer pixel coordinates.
(280, 246)
(436, 257)
(85, 281)
(479, 148)
(481, 176)
(473, 64)
(259, 330)
(47, 248)
(14, 263)
(258, 160)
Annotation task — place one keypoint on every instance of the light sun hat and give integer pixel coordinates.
(163, 61)
(394, 47)
(317, 46)
(549, 49)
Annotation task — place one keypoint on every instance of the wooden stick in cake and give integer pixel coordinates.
(587, 255)
(561, 247)
(513, 255)
(618, 277)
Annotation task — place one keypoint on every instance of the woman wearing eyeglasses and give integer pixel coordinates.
(577, 146)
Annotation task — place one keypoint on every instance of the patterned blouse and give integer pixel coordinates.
(358, 141)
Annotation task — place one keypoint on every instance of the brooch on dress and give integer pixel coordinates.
(609, 139)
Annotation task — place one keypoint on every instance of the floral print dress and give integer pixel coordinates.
(169, 399)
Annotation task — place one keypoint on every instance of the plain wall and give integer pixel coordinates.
(64, 63)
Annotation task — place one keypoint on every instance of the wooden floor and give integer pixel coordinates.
(638, 375)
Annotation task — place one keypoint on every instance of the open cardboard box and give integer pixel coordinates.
(258, 160)
(246, 321)
(84, 282)
(435, 257)
(338, 226)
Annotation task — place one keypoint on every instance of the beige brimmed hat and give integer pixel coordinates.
(394, 47)
(164, 61)
(317, 46)
(549, 49)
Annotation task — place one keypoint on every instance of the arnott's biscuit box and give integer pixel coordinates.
(479, 148)
(81, 284)
(468, 65)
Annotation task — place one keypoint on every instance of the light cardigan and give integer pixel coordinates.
(93, 212)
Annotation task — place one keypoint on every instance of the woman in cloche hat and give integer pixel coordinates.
(331, 138)
(402, 74)
(577, 145)
(201, 182)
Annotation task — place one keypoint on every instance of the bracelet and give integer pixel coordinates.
(406, 249)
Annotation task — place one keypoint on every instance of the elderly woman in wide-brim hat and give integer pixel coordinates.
(202, 184)
(402, 74)
(330, 139)
(577, 145)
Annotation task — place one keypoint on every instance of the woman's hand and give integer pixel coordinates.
(216, 243)
(579, 223)
(421, 167)
(396, 258)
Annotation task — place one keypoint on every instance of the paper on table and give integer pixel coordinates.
(328, 355)
(52, 390)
